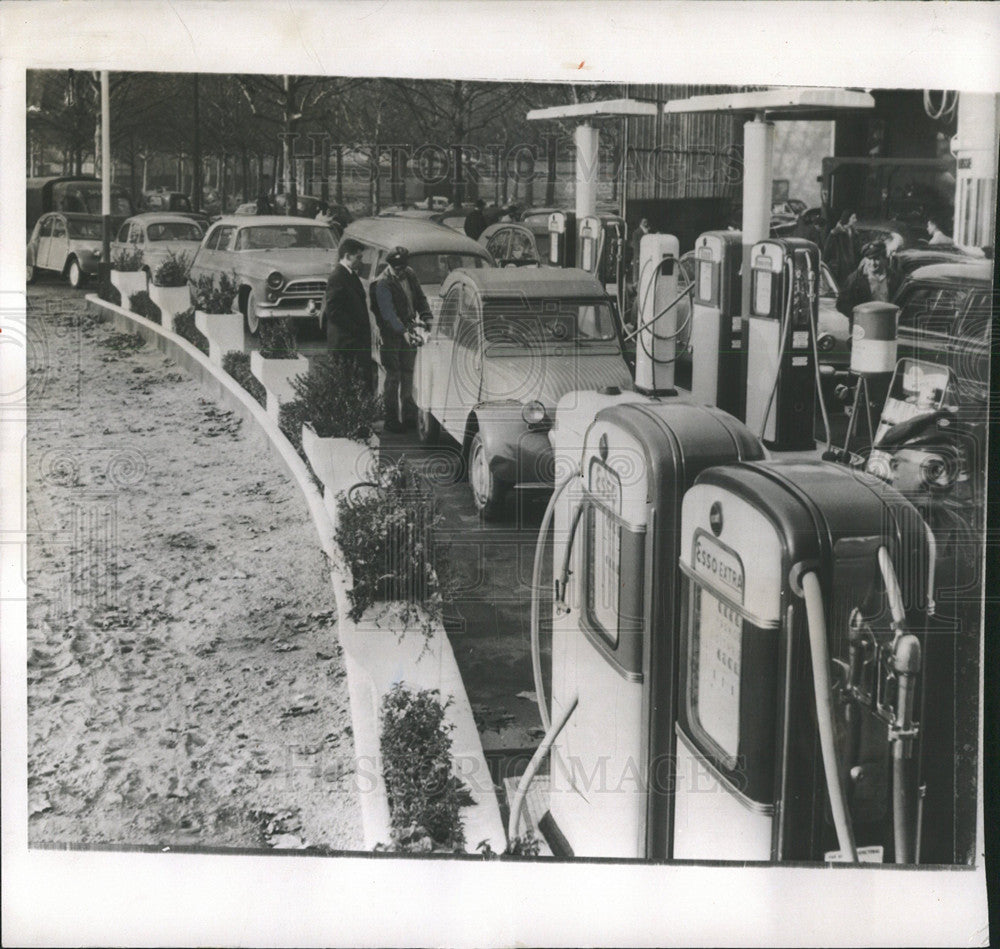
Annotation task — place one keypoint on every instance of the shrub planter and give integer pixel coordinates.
(171, 301)
(337, 462)
(276, 375)
(128, 282)
(224, 332)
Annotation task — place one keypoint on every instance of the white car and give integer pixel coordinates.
(158, 235)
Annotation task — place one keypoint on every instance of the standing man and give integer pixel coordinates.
(840, 251)
(401, 310)
(872, 280)
(475, 220)
(637, 235)
(346, 315)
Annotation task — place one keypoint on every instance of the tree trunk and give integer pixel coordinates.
(340, 174)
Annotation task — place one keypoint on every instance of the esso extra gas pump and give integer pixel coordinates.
(616, 609)
(589, 244)
(815, 717)
(562, 239)
(782, 362)
(718, 366)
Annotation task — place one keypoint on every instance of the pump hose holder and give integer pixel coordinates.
(798, 571)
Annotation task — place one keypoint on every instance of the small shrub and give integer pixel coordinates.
(335, 400)
(237, 364)
(127, 259)
(111, 294)
(424, 795)
(173, 272)
(141, 304)
(185, 328)
(386, 531)
(291, 417)
(277, 341)
(215, 298)
(525, 845)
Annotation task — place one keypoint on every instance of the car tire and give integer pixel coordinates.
(488, 491)
(428, 427)
(252, 320)
(75, 274)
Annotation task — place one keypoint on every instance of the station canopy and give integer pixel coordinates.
(608, 109)
(790, 102)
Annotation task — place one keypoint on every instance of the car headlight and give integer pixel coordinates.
(533, 413)
(275, 280)
(825, 343)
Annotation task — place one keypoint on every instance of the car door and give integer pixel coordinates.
(465, 378)
(435, 356)
(44, 240)
(59, 243)
(969, 349)
(121, 239)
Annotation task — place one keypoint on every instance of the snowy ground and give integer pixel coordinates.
(185, 685)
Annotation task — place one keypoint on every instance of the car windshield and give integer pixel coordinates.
(432, 269)
(86, 199)
(173, 231)
(524, 323)
(283, 236)
(85, 230)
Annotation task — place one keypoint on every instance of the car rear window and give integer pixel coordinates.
(525, 323)
(173, 231)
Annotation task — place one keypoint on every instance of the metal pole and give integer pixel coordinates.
(196, 145)
(105, 268)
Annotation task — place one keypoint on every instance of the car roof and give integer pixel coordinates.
(544, 282)
(248, 220)
(416, 235)
(162, 217)
(972, 272)
(74, 215)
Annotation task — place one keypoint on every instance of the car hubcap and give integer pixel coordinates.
(74, 274)
(480, 475)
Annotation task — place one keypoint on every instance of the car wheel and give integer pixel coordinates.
(428, 427)
(253, 321)
(488, 492)
(75, 274)
(32, 274)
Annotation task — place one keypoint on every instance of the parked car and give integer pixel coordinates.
(506, 346)
(946, 317)
(176, 202)
(435, 251)
(305, 206)
(517, 244)
(904, 262)
(67, 244)
(281, 264)
(73, 194)
(157, 236)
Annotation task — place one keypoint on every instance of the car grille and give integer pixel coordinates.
(305, 287)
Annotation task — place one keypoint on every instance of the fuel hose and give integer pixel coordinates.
(824, 713)
(536, 582)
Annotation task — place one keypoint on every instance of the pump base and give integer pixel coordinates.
(657, 393)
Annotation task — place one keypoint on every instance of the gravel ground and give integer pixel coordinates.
(185, 684)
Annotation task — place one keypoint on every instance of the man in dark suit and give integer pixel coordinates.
(345, 312)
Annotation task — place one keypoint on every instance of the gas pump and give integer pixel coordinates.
(718, 369)
(614, 640)
(562, 239)
(782, 361)
(657, 330)
(815, 714)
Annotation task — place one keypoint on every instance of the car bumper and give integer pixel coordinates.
(306, 309)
